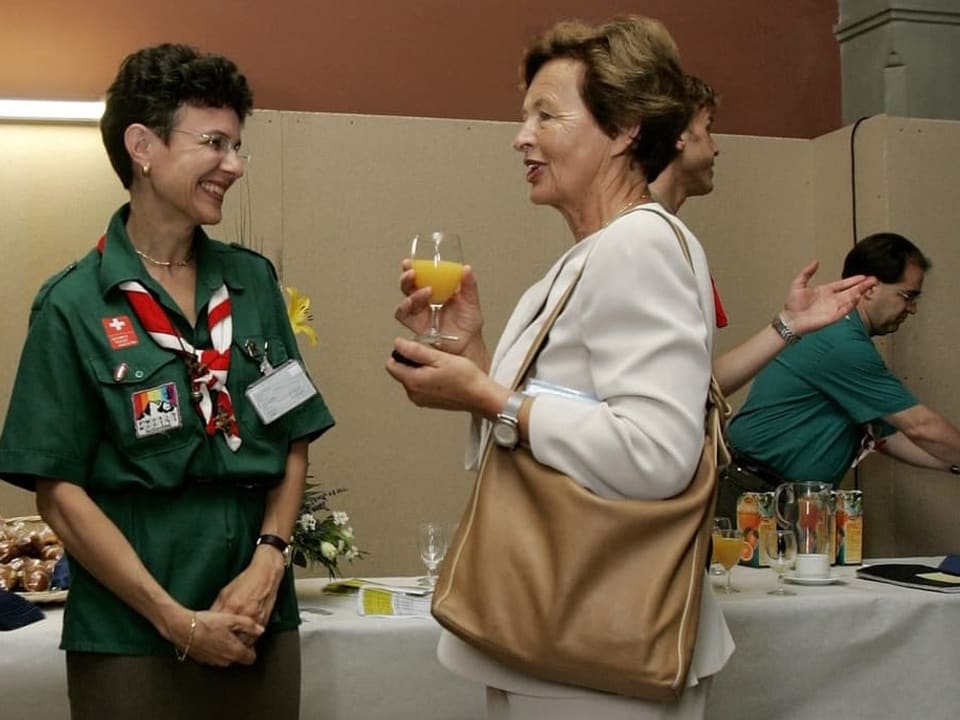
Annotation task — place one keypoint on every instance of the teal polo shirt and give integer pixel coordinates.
(807, 410)
(190, 507)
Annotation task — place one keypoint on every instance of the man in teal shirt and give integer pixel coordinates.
(824, 401)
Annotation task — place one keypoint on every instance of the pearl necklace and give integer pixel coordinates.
(166, 263)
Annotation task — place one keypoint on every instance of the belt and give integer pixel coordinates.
(754, 467)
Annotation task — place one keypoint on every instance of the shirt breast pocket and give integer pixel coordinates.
(245, 369)
(147, 403)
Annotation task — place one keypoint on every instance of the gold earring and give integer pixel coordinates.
(145, 169)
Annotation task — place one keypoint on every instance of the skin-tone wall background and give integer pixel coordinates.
(776, 64)
(334, 199)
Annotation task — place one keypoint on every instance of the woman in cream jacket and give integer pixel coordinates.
(629, 359)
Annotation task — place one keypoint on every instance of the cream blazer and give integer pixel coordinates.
(636, 337)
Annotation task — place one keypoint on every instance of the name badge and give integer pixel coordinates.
(285, 388)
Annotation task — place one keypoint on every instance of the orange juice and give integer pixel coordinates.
(728, 550)
(443, 276)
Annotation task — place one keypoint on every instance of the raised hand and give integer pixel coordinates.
(807, 309)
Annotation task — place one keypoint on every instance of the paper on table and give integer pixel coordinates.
(381, 600)
(348, 586)
(941, 577)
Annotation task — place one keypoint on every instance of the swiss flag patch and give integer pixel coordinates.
(120, 332)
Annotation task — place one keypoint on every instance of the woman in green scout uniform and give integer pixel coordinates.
(162, 414)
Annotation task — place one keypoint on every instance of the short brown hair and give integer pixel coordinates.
(700, 94)
(632, 77)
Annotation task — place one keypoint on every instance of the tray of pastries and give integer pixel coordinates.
(29, 551)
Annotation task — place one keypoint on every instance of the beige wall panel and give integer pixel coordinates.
(334, 199)
(756, 228)
(253, 209)
(356, 189)
(831, 183)
(922, 205)
(57, 191)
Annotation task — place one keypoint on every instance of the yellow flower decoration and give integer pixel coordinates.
(299, 313)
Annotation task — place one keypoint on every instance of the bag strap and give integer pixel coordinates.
(716, 395)
(537, 345)
(718, 409)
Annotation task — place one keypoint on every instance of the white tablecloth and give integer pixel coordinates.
(854, 650)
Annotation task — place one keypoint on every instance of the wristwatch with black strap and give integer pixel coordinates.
(506, 428)
(280, 544)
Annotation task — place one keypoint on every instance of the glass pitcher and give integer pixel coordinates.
(805, 507)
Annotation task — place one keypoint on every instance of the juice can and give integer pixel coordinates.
(832, 524)
(849, 527)
(755, 519)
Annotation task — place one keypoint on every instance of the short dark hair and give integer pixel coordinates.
(632, 77)
(152, 84)
(884, 255)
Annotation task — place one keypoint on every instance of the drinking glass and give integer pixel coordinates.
(729, 544)
(437, 259)
(432, 544)
(719, 523)
(781, 549)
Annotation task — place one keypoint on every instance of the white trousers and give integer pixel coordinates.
(503, 705)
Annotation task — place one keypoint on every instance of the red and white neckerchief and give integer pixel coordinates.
(208, 368)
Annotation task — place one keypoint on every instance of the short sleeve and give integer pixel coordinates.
(53, 420)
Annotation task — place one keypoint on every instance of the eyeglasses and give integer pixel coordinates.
(220, 144)
(910, 296)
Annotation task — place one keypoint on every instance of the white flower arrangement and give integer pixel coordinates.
(322, 535)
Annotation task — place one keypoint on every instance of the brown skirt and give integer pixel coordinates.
(158, 687)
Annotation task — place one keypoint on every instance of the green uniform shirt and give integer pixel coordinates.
(191, 507)
(807, 410)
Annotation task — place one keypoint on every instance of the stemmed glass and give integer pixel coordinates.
(432, 539)
(781, 549)
(719, 523)
(729, 544)
(437, 259)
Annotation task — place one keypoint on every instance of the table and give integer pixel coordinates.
(375, 668)
(863, 649)
(854, 650)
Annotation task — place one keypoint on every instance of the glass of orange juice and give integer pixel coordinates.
(437, 259)
(719, 523)
(728, 545)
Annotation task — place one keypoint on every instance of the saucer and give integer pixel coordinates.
(829, 580)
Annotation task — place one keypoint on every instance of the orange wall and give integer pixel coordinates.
(775, 61)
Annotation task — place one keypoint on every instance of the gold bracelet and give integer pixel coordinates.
(182, 655)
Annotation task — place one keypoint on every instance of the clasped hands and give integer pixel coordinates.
(227, 632)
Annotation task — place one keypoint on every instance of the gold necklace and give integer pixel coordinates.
(166, 263)
(645, 197)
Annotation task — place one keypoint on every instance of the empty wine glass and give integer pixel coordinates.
(729, 545)
(719, 523)
(432, 544)
(781, 549)
(437, 260)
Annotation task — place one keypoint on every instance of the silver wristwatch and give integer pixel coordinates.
(783, 330)
(506, 428)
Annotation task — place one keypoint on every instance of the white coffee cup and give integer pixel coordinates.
(812, 566)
